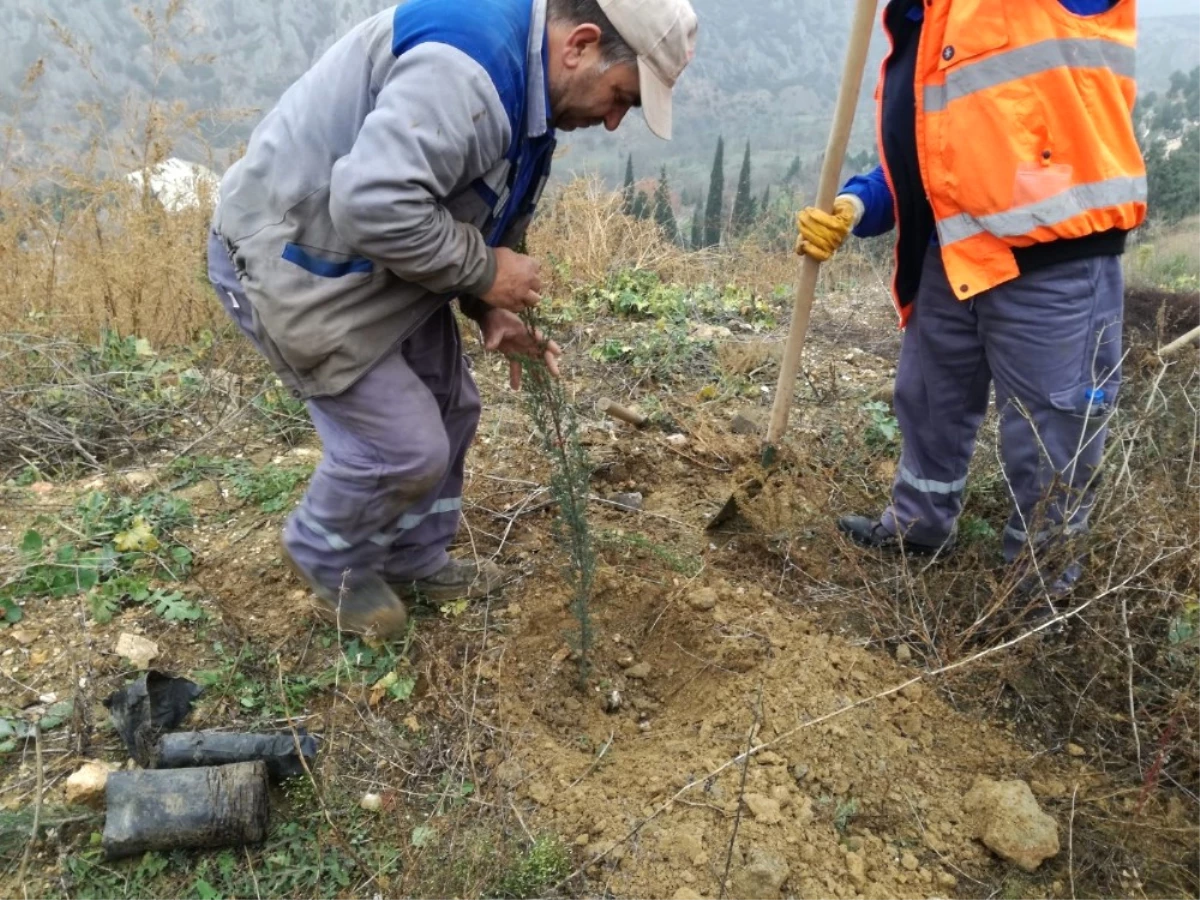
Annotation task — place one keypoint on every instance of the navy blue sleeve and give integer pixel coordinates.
(1088, 7)
(879, 215)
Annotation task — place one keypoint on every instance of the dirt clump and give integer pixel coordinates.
(1161, 315)
(1010, 823)
(761, 876)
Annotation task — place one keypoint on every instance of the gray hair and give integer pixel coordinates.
(613, 49)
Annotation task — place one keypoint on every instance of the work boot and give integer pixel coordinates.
(1034, 603)
(872, 534)
(364, 604)
(459, 579)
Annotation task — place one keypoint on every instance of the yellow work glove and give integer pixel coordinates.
(821, 233)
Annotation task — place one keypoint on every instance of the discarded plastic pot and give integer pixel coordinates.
(216, 806)
(218, 748)
(144, 709)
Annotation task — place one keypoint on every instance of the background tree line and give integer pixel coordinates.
(716, 218)
(1168, 125)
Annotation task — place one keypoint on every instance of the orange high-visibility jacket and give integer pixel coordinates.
(1024, 130)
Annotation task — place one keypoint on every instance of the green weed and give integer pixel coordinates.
(543, 865)
(883, 431)
(844, 813)
(640, 545)
(270, 487)
(286, 417)
(112, 549)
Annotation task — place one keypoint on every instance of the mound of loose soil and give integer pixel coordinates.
(1161, 315)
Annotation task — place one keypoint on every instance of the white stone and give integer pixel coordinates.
(138, 650)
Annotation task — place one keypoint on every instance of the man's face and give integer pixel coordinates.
(583, 90)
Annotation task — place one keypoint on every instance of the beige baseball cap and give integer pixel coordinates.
(663, 34)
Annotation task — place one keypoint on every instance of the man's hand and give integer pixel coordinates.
(518, 285)
(822, 233)
(506, 333)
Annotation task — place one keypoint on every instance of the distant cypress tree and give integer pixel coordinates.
(743, 201)
(642, 208)
(663, 214)
(698, 227)
(794, 171)
(764, 205)
(627, 193)
(716, 191)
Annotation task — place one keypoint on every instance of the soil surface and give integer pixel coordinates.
(707, 643)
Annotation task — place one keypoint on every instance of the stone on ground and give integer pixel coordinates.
(138, 650)
(1008, 820)
(86, 785)
(761, 877)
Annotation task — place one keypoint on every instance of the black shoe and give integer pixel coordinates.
(1034, 604)
(870, 533)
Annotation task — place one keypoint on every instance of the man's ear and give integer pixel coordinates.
(579, 40)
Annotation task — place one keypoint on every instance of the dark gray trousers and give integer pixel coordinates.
(1050, 342)
(387, 494)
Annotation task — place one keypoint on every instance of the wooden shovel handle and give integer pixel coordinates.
(1180, 342)
(634, 417)
(831, 170)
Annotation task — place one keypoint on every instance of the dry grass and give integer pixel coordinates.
(83, 249)
(584, 237)
(1166, 257)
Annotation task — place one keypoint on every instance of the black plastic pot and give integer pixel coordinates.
(216, 748)
(215, 806)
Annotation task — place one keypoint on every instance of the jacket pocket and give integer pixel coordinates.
(975, 27)
(326, 264)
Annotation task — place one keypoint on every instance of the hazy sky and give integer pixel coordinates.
(1167, 8)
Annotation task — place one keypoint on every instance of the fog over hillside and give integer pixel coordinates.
(766, 71)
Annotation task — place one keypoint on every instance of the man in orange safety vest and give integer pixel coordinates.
(1011, 171)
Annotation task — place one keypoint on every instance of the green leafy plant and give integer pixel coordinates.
(543, 865)
(270, 487)
(974, 530)
(883, 431)
(115, 547)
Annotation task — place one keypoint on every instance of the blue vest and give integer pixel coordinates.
(494, 33)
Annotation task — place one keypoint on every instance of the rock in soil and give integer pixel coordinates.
(1010, 823)
(631, 500)
(856, 869)
(761, 877)
(138, 650)
(703, 599)
(764, 809)
(371, 802)
(86, 785)
(640, 672)
(903, 654)
(745, 423)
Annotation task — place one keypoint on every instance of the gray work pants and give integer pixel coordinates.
(1050, 342)
(387, 494)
